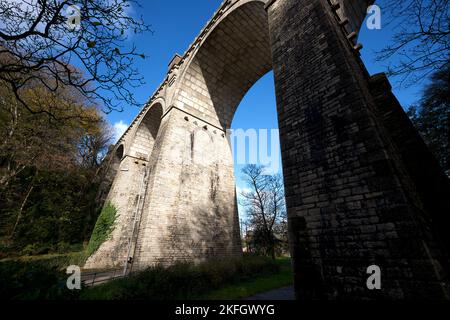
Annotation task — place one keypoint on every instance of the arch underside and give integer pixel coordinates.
(146, 133)
(232, 58)
(235, 55)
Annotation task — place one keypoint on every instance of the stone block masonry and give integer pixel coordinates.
(353, 204)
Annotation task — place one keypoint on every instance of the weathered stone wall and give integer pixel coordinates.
(226, 64)
(130, 171)
(190, 212)
(425, 177)
(352, 10)
(112, 253)
(348, 205)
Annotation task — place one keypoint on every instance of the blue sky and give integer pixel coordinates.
(176, 23)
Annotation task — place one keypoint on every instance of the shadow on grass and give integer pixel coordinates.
(246, 289)
(42, 279)
(189, 282)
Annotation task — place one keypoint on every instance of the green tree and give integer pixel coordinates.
(49, 169)
(432, 116)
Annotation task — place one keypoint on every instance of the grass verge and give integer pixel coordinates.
(57, 261)
(32, 278)
(184, 281)
(261, 284)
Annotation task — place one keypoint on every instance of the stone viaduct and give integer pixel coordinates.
(361, 187)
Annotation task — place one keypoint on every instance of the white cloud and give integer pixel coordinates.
(239, 190)
(119, 129)
(241, 209)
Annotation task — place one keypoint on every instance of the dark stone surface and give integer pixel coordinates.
(352, 193)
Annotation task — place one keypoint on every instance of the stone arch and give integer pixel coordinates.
(120, 152)
(230, 59)
(117, 154)
(146, 132)
(127, 191)
(212, 80)
(109, 169)
(235, 53)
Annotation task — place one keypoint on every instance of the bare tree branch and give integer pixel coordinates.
(421, 43)
(264, 203)
(38, 46)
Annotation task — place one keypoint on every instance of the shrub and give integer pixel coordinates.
(62, 247)
(182, 281)
(4, 250)
(52, 261)
(36, 249)
(25, 281)
(29, 250)
(102, 229)
(62, 207)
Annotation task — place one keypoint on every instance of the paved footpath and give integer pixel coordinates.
(286, 293)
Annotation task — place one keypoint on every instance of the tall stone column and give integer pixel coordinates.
(351, 203)
(190, 211)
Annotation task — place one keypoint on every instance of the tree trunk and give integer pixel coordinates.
(19, 215)
(271, 244)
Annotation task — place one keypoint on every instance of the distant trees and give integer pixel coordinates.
(48, 169)
(431, 116)
(37, 140)
(93, 145)
(61, 62)
(421, 42)
(265, 208)
(42, 40)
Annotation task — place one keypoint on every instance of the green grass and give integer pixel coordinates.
(248, 288)
(34, 279)
(187, 281)
(102, 230)
(43, 277)
(57, 261)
